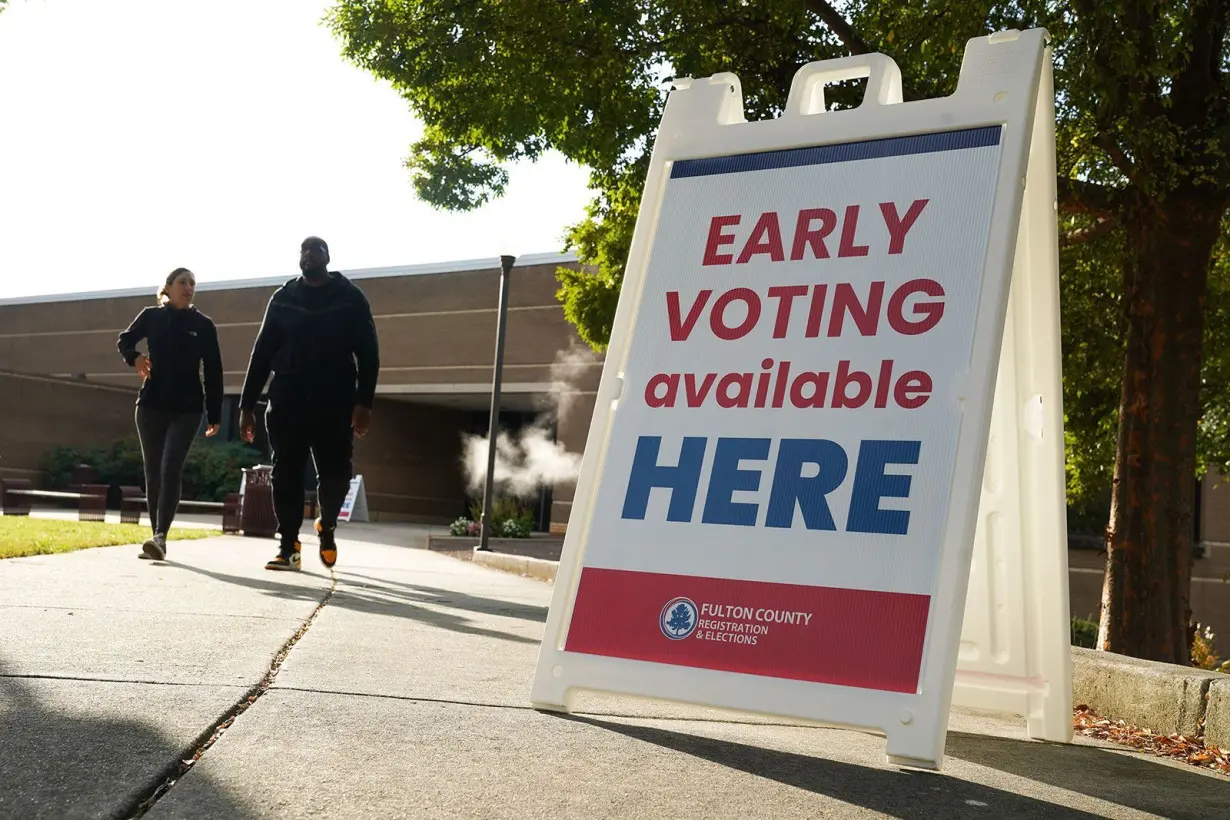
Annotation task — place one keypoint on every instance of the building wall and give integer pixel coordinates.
(411, 462)
(437, 331)
(37, 414)
(1211, 593)
(1210, 588)
(1215, 508)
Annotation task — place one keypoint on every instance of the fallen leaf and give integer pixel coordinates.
(1191, 750)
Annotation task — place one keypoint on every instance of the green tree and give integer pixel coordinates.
(1141, 95)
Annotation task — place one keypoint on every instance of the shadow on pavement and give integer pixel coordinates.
(474, 603)
(904, 793)
(394, 600)
(389, 534)
(57, 764)
(1123, 777)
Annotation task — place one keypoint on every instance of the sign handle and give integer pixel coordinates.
(807, 88)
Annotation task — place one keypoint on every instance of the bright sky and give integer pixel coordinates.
(142, 135)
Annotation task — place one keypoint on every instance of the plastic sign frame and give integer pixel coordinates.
(999, 88)
(1014, 654)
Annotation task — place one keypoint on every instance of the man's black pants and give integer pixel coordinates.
(297, 429)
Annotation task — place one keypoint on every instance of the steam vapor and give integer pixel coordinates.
(520, 465)
(532, 458)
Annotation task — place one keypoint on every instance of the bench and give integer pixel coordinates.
(133, 502)
(16, 495)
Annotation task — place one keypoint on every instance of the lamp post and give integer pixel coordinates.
(506, 264)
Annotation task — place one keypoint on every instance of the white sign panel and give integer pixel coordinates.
(777, 513)
(791, 411)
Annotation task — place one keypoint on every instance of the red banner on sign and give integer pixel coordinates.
(847, 637)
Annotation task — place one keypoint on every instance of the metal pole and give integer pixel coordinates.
(506, 264)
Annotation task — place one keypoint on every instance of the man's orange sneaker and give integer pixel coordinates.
(328, 544)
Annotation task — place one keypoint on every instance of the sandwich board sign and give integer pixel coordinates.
(354, 507)
(783, 482)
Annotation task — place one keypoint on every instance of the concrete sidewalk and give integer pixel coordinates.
(408, 696)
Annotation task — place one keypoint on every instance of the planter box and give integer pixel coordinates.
(543, 547)
(519, 564)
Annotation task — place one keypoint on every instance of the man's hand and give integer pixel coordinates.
(142, 364)
(247, 425)
(211, 431)
(361, 420)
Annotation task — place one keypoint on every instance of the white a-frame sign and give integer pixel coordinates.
(783, 506)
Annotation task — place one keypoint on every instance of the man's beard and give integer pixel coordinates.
(316, 273)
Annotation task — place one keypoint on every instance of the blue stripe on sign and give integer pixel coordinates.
(842, 152)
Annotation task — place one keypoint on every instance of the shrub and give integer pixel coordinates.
(514, 528)
(213, 469)
(1084, 633)
(58, 463)
(119, 463)
(1204, 655)
(510, 518)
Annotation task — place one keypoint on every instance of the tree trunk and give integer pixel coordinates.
(1147, 590)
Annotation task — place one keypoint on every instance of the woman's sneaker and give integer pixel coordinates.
(155, 549)
(288, 558)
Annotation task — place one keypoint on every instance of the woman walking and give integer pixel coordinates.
(179, 339)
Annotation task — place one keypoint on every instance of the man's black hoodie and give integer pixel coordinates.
(319, 342)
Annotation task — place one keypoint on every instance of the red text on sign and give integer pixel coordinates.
(846, 387)
(914, 307)
(810, 235)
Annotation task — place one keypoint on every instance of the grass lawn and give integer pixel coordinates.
(21, 535)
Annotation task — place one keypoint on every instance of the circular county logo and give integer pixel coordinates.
(678, 618)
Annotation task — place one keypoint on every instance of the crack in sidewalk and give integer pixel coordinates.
(184, 763)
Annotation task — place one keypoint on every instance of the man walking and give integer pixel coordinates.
(319, 339)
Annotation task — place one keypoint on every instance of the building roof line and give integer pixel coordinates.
(427, 269)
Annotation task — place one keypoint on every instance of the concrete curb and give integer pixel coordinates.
(519, 564)
(1158, 696)
(543, 547)
(456, 550)
(1217, 718)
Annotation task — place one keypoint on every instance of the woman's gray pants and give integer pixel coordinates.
(165, 441)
